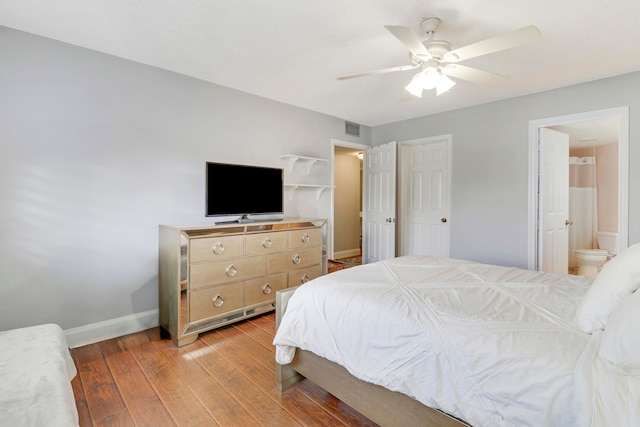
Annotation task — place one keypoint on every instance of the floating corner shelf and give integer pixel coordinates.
(310, 161)
(319, 188)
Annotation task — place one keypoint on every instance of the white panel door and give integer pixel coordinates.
(425, 185)
(379, 203)
(553, 244)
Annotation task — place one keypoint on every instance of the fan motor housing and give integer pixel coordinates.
(437, 48)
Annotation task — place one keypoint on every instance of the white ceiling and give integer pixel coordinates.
(293, 50)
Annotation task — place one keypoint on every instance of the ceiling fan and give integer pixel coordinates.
(438, 61)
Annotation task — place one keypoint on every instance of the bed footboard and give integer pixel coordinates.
(285, 374)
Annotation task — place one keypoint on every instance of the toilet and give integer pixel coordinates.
(590, 261)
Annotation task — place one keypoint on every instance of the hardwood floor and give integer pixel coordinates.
(225, 378)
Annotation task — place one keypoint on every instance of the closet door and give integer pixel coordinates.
(424, 187)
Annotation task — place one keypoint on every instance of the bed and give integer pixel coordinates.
(36, 370)
(421, 340)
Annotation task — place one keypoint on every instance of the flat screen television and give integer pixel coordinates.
(233, 189)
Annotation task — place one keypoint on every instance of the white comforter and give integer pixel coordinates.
(494, 346)
(35, 373)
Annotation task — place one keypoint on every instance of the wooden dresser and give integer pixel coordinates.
(211, 276)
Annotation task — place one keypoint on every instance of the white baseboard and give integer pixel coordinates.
(346, 254)
(100, 331)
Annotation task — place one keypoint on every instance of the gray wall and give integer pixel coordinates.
(96, 151)
(489, 204)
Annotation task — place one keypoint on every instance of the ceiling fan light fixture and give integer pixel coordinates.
(415, 86)
(429, 78)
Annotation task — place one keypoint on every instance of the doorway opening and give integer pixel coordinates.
(345, 225)
(575, 125)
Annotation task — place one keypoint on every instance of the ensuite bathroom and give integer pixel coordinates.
(593, 207)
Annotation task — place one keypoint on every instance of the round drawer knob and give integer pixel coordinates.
(231, 270)
(266, 243)
(305, 238)
(218, 248)
(217, 301)
(304, 279)
(296, 259)
(266, 289)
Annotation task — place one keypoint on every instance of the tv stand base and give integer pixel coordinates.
(244, 219)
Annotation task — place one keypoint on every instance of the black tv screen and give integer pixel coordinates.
(233, 189)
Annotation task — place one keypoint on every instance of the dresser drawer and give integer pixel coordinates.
(299, 258)
(231, 270)
(215, 248)
(264, 289)
(214, 301)
(262, 243)
(304, 238)
(298, 277)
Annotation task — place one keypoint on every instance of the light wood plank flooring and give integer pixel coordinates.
(225, 378)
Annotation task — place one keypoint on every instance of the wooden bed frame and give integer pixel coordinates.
(385, 407)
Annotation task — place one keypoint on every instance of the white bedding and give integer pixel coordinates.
(494, 346)
(36, 370)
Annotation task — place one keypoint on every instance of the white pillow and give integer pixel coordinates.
(618, 279)
(621, 337)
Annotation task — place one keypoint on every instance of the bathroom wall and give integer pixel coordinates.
(607, 184)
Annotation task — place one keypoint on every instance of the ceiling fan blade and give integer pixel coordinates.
(382, 71)
(410, 41)
(515, 38)
(472, 75)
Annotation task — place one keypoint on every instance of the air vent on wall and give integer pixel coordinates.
(352, 129)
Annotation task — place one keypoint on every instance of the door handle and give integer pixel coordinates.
(568, 222)
(443, 219)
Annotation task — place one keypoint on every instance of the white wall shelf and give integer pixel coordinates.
(319, 188)
(310, 161)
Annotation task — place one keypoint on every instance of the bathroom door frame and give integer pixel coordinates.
(622, 114)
